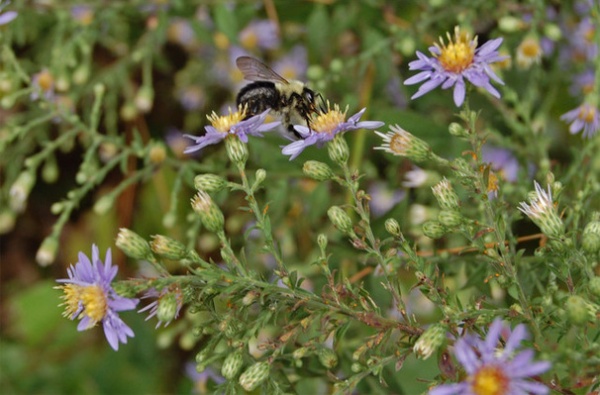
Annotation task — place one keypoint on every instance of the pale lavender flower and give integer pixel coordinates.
(383, 198)
(325, 127)
(415, 177)
(261, 34)
(167, 305)
(292, 66)
(454, 62)
(583, 83)
(8, 16)
(490, 369)
(232, 124)
(503, 162)
(585, 117)
(90, 297)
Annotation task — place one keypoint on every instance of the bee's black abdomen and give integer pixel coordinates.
(258, 97)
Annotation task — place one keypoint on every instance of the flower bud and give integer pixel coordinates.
(167, 247)
(327, 357)
(232, 365)
(457, 130)
(393, 227)
(430, 340)
(261, 175)
(237, 151)
(577, 310)
(168, 306)
(46, 254)
(299, 353)
(450, 218)
(132, 244)
(433, 229)
(338, 150)
(445, 195)
(210, 215)
(250, 297)
(157, 153)
(254, 376)
(340, 219)
(399, 142)
(590, 240)
(20, 189)
(144, 99)
(7, 220)
(462, 167)
(317, 170)
(594, 287)
(209, 183)
(322, 241)
(104, 204)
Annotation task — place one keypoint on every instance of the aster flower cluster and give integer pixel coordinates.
(493, 370)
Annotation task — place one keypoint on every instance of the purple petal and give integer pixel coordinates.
(7, 17)
(459, 92)
(427, 87)
(449, 389)
(420, 77)
(532, 387)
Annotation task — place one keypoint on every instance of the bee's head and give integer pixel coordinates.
(314, 101)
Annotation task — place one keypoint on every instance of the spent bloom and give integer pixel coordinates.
(399, 142)
(232, 124)
(542, 212)
(585, 117)
(491, 370)
(454, 62)
(89, 296)
(324, 127)
(167, 305)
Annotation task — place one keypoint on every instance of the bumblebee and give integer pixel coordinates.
(291, 100)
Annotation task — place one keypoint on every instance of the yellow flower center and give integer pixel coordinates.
(530, 48)
(587, 114)
(489, 380)
(398, 143)
(249, 40)
(458, 54)
(92, 298)
(327, 122)
(45, 80)
(224, 123)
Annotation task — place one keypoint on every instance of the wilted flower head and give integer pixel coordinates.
(454, 62)
(324, 127)
(399, 142)
(232, 124)
(493, 370)
(585, 117)
(8, 16)
(260, 34)
(90, 297)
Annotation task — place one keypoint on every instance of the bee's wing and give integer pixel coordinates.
(255, 70)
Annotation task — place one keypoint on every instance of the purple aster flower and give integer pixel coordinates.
(383, 198)
(167, 305)
(232, 124)
(324, 127)
(451, 64)
(43, 85)
(90, 297)
(493, 370)
(293, 66)
(260, 34)
(8, 16)
(585, 117)
(583, 83)
(503, 162)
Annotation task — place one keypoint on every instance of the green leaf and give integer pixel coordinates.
(226, 21)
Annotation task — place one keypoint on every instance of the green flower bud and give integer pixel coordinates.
(430, 340)
(261, 175)
(157, 153)
(457, 130)
(317, 170)
(255, 375)
(327, 357)
(340, 219)
(590, 240)
(237, 151)
(46, 254)
(577, 310)
(210, 215)
(594, 287)
(338, 150)
(7, 220)
(433, 229)
(299, 353)
(144, 99)
(450, 218)
(510, 24)
(203, 355)
(132, 244)
(232, 365)
(445, 195)
(393, 227)
(250, 298)
(209, 183)
(104, 204)
(20, 189)
(167, 247)
(462, 167)
(168, 307)
(322, 241)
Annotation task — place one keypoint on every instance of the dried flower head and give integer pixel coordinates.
(399, 142)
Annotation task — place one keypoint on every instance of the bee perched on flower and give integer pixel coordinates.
(455, 61)
(324, 127)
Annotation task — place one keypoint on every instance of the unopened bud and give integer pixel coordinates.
(254, 376)
(317, 170)
(232, 365)
(169, 306)
(457, 130)
(210, 215)
(430, 340)
(577, 310)
(261, 175)
(434, 229)
(167, 247)
(322, 241)
(157, 153)
(250, 297)
(327, 357)
(20, 189)
(445, 195)
(340, 219)
(237, 151)
(594, 287)
(590, 240)
(450, 218)
(338, 150)
(104, 204)
(209, 183)
(144, 99)
(46, 254)
(393, 227)
(132, 244)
